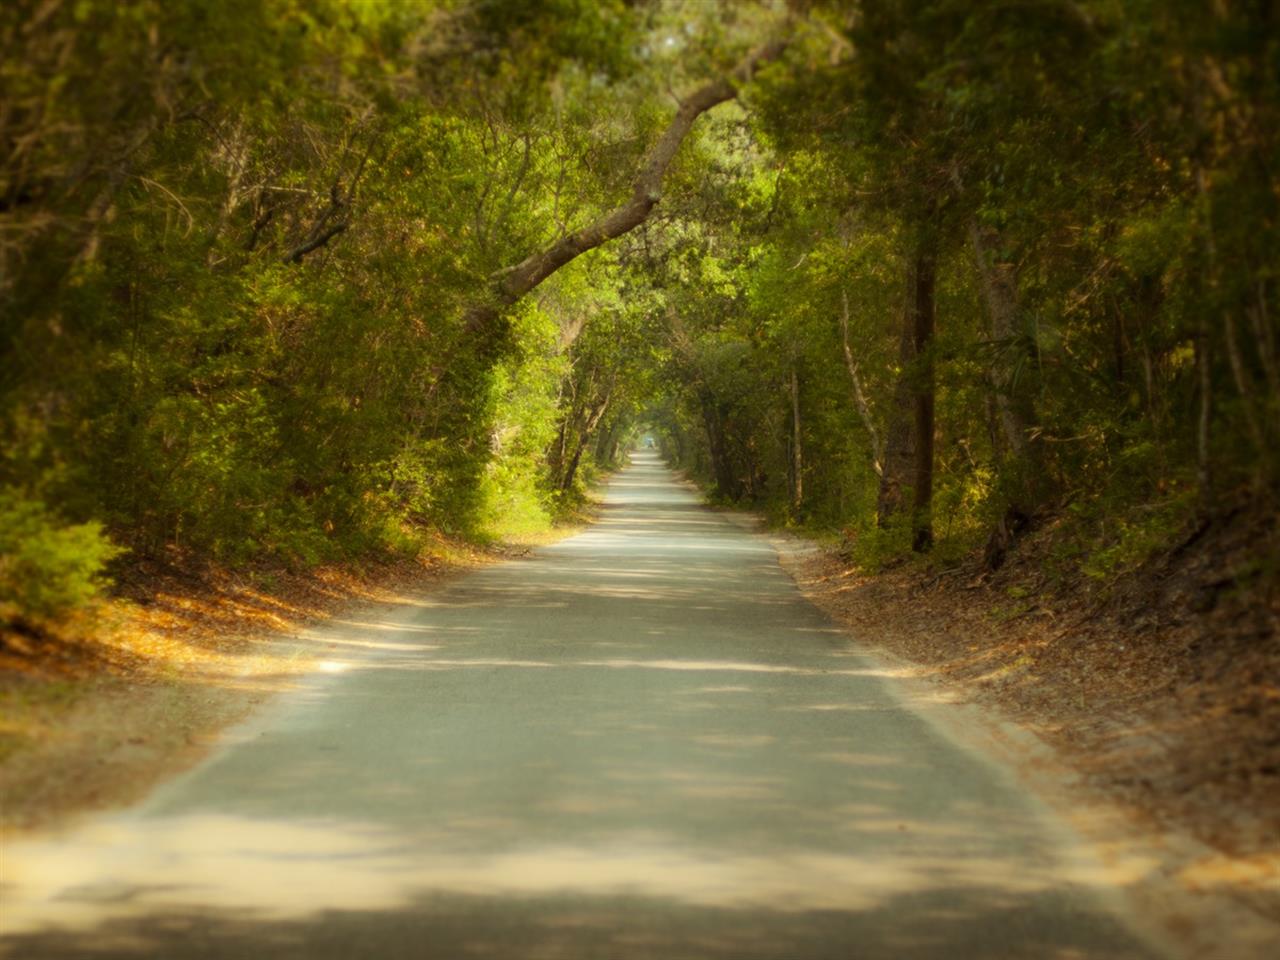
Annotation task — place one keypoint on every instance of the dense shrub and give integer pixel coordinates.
(48, 568)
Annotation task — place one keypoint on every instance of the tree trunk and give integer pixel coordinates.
(511, 283)
(1204, 377)
(1204, 360)
(720, 466)
(860, 397)
(584, 436)
(1013, 402)
(922, 506)
(1000, 291)
(606, 442)
(1243, 385)
(1265, 337)
(560, 451)
(797, 457)
(899, 447)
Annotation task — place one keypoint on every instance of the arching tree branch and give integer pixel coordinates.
(511, 283)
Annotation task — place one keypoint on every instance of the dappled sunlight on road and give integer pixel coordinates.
(292, 869)
(631, 744)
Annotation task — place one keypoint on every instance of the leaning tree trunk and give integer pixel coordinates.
(584, 437)
(859, 395)
(513, 282)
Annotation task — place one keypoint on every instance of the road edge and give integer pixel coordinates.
(1151, 865)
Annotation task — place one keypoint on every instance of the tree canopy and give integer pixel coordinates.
(295, 281)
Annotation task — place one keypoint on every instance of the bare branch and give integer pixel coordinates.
(322, 231)
(859, 397)
(297, 253)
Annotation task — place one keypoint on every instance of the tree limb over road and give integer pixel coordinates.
(511, 283)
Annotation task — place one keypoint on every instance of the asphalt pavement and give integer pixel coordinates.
(641, 742)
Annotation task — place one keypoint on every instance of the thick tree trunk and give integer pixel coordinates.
(899, 445)
(1014, 406)
(908, 451)
(511, 283)
(722, 470)
(1000, 291)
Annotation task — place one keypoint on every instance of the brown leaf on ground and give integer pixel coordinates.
(1162, 687)
(95, 710)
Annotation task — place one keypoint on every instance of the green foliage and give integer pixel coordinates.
(514, 495)
(195, 358)
(243, 247)
(1127, 539)
(1093, 179)
(48, 568)
(873, 547)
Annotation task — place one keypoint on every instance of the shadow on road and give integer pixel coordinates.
(638, 743)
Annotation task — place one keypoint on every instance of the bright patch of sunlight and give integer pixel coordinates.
(280, 868)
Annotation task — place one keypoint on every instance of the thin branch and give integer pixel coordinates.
(297, 253)
(860, 398)
(191, 221)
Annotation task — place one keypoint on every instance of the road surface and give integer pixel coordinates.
(639, 743)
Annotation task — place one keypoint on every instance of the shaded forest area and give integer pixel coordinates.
(961, 288)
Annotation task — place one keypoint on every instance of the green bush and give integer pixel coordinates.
(874, 548)
(47, 568)
(1132, 537)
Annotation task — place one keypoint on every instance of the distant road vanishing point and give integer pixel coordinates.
(639, 743)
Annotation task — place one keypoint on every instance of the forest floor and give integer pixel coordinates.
(95, 712)
(1161, 688)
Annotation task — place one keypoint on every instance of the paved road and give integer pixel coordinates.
(641, 742)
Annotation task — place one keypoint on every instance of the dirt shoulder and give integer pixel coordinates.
(1159, 692)
(96, 712)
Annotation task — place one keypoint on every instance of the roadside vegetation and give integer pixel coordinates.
(296, 286)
